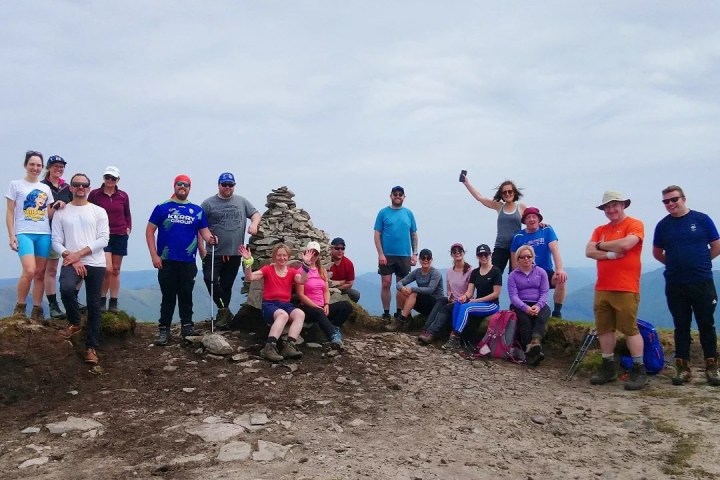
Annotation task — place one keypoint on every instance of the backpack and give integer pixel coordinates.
(500, 340)
(653, 356)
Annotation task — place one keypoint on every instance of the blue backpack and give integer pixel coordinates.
(653, 355)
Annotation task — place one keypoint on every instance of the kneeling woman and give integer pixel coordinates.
(314, 296)
(277, 310)
(528, 288)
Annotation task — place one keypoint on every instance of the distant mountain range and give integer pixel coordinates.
(140, 295)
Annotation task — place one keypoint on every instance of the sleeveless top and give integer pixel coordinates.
(507, 225)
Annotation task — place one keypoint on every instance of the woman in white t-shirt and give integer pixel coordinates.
(28, 222)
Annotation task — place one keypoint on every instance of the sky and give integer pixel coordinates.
(340, 101)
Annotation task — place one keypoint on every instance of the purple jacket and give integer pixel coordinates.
(117, 207)
(533, 288)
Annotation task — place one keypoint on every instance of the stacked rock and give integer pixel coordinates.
(283, 223)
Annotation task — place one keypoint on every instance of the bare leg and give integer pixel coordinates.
(297, 318)
(386, 281)
(28, 273)
(280, 319)
(408, 302)
(608, 340)
(39, 281)
(108, 273)
(51, 276)
(560, 290)
(115, 276)
(635, 345)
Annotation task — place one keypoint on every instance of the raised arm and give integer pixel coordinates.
(488, 202)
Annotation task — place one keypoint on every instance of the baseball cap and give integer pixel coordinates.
(337, 241)
(457, 245)
(531, 211)
(226, 177)
(613, 196)
(425, 252)
(482, 248)
(397, 188)
(56, 159)
(182, 178)
(313, 246)
(114, 171)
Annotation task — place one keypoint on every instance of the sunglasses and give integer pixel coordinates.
(398, 194)
(456, 250)
(80, 184)
(483, 254)
(525, 257)
(338, 248)
(508, 192)
(671, 199)
(426, 257)
(227, 184)
(182, 184)
(110, 177)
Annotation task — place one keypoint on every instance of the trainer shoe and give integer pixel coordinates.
(638, 377)
(711, 372)
(270, 353)
(70, 331)
(290, 351)
(163, 336)
(113, 306)
(91, 356)
(55, 312)
(606, 373)
(20, 309)
(453, 343)
(682, 372)
(336, 339)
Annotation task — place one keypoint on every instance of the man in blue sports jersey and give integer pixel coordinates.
(177, 223)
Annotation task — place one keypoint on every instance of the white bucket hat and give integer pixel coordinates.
(613, 196)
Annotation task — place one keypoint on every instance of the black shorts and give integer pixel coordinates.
(117, 245)
(550, 274)
(400, 266)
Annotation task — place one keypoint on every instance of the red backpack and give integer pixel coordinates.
(500, 340)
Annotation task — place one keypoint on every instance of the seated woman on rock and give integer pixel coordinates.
(314, 297)
(479, 301)
(277, 310)
(528, 288)
(457, 278)
(422, 297)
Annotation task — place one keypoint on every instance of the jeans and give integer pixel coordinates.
(682, 301)
(69, 281)
(177, 280)
(439, 319)
(224, 273)
(531, 326)
(337, 314)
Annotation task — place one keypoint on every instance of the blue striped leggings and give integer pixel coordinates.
(462, 311)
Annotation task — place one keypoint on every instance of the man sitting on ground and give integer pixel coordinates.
(342, 269)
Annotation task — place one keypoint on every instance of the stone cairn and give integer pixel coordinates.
(284, 223)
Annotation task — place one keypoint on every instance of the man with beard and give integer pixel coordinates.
(342, 269)
(227, 215)
(396, 243)
(178, 223)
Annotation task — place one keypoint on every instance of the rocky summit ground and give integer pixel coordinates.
(384, 408)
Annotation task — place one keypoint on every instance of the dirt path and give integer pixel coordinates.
(385, 408)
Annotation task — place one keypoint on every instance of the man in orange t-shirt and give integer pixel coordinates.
(617, 246)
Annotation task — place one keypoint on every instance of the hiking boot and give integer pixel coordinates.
(336, 342)
(426, 338)
(103, 304)
(682, 372)
(70, 331)
(556, 314)
(398, 325)
(290, 351)
(270, 353)
(224, 317)
(187, 330)
(386, 317)
(638, 377)
(20, 309)
(37, 314)
(606, 373)
(91, 356)
(453, 343)
(113, 306)
(711, 372)
(163, 336)
(534, 355)
(55, 312)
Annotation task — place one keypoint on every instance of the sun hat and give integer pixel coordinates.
(613, 196)
(531, 211)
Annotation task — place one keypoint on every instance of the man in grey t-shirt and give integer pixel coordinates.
(227, 216)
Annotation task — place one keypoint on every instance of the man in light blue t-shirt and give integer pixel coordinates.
(396, 244)
(545, 244)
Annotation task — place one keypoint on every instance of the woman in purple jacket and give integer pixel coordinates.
(528, 287)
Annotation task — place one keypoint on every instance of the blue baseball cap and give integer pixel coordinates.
(226, 177)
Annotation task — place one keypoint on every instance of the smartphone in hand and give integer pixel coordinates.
(462, 176)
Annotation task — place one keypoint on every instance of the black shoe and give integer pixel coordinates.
(386, 318)
(163, 336)
(534, 355)
(188, 330)
(556, 314)
(55, 312)
(103, 304)
(398, 325)
(113, 307)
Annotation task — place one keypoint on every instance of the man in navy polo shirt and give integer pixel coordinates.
(686, 241)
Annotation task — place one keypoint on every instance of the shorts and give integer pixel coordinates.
(424, 303)
(270, 306)
(400, 266)
(616, 311)
(117, 245)
(550, 274)
(37, 244)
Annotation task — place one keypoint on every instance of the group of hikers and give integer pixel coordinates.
(49, 219)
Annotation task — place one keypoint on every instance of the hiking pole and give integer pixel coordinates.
(212, 290)
(589, 338)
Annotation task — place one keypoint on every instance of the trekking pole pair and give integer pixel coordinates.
(589, 339)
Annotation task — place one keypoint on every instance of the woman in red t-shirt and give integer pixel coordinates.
(276, 307)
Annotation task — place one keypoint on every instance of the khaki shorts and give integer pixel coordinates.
(616, 311)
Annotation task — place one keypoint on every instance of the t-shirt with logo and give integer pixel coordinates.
(485, 284)
(540, 241)
(685, 241)
(31, 206)
(178, 224)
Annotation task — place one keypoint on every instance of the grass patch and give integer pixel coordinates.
(685, 448)
(117, 324)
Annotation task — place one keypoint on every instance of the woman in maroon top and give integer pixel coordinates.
(117, 205)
